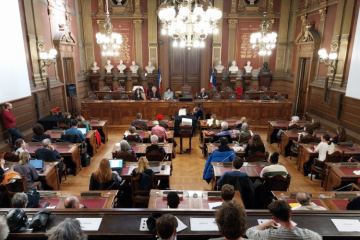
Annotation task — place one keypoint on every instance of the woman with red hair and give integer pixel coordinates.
(104, 178)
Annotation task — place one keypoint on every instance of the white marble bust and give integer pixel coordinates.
(95, 68)
(121, 67)
(233, 68)
(134, 68)
(108, 67)
(149, 68)
(248, 68)
(219, 68)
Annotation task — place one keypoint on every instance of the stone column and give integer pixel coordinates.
(322, 13)
(231, 40)
(152, 33)
(217, 39)
(138, 43)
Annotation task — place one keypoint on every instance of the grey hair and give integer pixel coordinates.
(303, 198)
(69, 229)
(153, 88)
(46, 142)
(19, 200)
(124, 145)
(154, 139)
(155, 123)
(245, 127)
(295, 118)
(4, 229)
(224, 125)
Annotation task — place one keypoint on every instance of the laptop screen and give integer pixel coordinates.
(37, 163)
(116, 163)
(83, 130)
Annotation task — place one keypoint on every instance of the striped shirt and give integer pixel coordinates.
(282, 233)
(159, 131)
(273, 170)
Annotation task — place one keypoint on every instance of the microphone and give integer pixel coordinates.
(341, 188)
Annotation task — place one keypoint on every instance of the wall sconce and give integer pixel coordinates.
(328, 60)
(46, 59)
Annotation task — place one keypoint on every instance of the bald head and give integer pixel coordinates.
(303, 198)
(72, 202)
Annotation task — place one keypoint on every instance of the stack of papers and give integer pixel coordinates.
(90, 224)
(344, 225)
(357, 172)
(294, 206)
(215, 204)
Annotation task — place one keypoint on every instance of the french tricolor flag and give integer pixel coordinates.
(212, 79)
(159, 80)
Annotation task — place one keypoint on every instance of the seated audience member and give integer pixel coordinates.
(274, 168)
(73, 202)
(138, 121)
(354, 204)
(231, 220)
(154, 145)
(308, 130)
(294, 120)
(304, 199)
(81, 120)
(105, 179)
(137, 94)
(227, 193)
(19, 200)
(69, 229)
(240, 123)
(125, 147)
(166, 227)
(4, 229)
(213, 120)
(244, 131)
(74, 131)
(161, 121)
(133, 132)
(38, 130)
(255, 145)
(235, 172)
(143, 167)
(25, 169)
(198, 112)
(159, 131)
(173, 200)
(168, 94)
(20, 146)
(154, 94)
(222, 154)
(224, 130)
(48, 153)
(341, 132)
(286, 230)
(65, 118)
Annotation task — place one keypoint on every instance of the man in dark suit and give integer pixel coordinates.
(49, 154)
(236, 165)
(154, 145)
(198, 112)
(203, 94)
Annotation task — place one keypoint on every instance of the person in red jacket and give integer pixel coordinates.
(9, 121)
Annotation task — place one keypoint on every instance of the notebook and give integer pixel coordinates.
(38, 164)
(116, 165)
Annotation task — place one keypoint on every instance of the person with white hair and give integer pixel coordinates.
(224, 129)
(159, 131)
(294, 120)
(69, 229)
(154, 94)
(4, 229)
(19, 200)
(154, 145)
(125, 147)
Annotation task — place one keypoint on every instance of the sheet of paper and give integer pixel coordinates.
(347, 225)
(357, 172)
(203, 224)
(117, 144)
(245, 164)
(215, 204)
(144, 228)
(90, 224)
(261, 221)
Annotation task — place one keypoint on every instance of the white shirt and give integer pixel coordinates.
(273, 170)
(310, 206)
(211, 122)
(324, 147)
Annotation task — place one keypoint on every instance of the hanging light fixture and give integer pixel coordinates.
(189, 28)
(263, 41)
(110, 41)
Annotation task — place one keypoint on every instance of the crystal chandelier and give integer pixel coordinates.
(110, 41)
(263, 41)
(189, 28)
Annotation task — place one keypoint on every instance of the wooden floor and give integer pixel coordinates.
(187, 169)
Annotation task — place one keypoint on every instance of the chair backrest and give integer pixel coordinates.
(125, 97)
(279, 97)
(163, 125)
(334, 157)
(120, 89)
(125, 156)
(245, 97)
(133, 138)
(186, 89)
(307, 139)
(231, 96)
(214, 126)
(63, 126)
(242, 139)
(139, 127)
(228, 89)
(116, 95)
(213, 89)
(135, 182)
(277, 183)
(343, 138)
(82, 125)
(265, 97)
(250, 88)
(106, 89)
(292, 126)
(155, 155)
(16, 187)
(93, 97)
(217, 96)
(257, 156)
(8, 156)
(107, 97)
(263, 88)
(239, 91)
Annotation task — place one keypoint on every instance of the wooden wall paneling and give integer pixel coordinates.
(214, 108)
(177, 67)
(192, 69)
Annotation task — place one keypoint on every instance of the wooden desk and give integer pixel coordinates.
(253, 170)
(101, 126)
(50, 176)
(203, 123)
(330, 202)
(275, 126)
(106, 200)
(116, 95)
(212, 147)
(256, 95)
(140, 149)
(90, 138)
(318, 221)
(72, 152)
(289, 136)
(337, 175)
(158, 201)
(130, 166)
(146, 136)
(223, 94)
(306, 151)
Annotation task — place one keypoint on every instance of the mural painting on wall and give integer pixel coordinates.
(126, 47)
(247, 53)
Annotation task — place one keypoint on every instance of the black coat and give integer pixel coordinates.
(138, 97)
(157, 95)
(114, 184)
(200, 96)
(244, 186)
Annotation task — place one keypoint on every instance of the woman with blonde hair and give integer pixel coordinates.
(103, 178)
(143, 167)
(25, 169)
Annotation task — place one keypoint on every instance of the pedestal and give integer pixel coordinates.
(121, 79)
(134, 80)
(218, 81)
(109, 80)
(94, 81)
(233, 78)
(265, 79)
(247, 81)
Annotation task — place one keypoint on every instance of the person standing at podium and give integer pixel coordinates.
(154, 94)
(203, 94)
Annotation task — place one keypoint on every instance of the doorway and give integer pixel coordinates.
(303, 82)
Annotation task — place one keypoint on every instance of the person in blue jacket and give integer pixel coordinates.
(223, 154)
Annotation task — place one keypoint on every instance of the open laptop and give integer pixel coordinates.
(38, 164)
(116, 165)
(82, 130)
